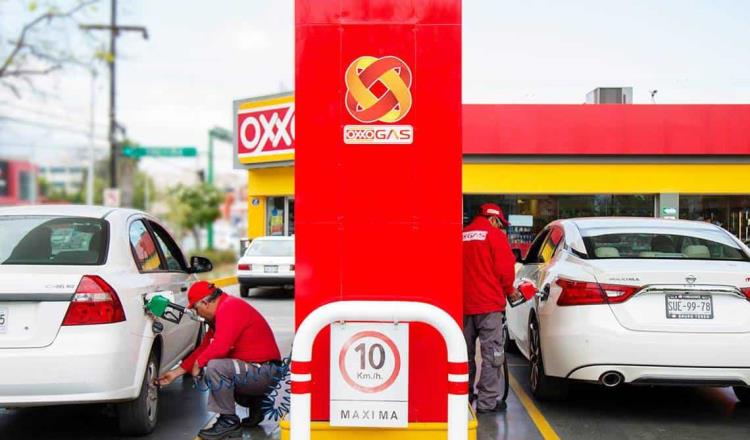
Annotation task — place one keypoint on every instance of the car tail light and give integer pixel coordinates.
(746, 291)
(580, 293)
(245, 267)
(95, 302)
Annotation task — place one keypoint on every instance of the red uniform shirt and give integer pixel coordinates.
(489, 268)
(240, 332)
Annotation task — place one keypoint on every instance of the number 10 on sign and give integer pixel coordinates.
(369, 374)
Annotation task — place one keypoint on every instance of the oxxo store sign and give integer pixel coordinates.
(264, 129)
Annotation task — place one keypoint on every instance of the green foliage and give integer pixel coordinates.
(218, 257)
(194, 207)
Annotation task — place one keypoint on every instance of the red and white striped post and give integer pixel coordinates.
(379, 311)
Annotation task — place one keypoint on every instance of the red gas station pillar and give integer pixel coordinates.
(378, 192)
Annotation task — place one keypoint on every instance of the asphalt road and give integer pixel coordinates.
(629, 413)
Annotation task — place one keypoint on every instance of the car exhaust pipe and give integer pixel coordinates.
(611, 379)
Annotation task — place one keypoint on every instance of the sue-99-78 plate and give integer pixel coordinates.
(684, 306)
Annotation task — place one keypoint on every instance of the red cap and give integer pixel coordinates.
(493, 210)
(198, 291)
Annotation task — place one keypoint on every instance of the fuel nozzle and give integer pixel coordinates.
(161, 307)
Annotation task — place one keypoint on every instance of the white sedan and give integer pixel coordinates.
(72, 324)
(268, 261)
(635, 300)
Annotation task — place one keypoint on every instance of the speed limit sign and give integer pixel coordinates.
(369, 375)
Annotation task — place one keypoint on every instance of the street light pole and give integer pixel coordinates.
(92, 155)
(112, 97)
(222, 135)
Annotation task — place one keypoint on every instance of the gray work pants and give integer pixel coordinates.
(228, 380)
(488, 328)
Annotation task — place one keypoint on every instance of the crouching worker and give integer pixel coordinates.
(237, 360)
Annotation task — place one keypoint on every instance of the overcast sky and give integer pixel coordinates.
(201, 55)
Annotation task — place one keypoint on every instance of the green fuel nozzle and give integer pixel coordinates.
(161, 307)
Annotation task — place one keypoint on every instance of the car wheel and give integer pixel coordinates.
(244, 290)
(543, 387)
(139, 416)
(742, 393)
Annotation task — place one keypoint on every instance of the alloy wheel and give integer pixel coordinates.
(535, 355)
(152, 393)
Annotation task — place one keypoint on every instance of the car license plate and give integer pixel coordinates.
(683, 306)
(3, 320)
(271, 269)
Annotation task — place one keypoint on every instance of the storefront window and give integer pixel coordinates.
(729, 212)
(280, 216)
(537, 211)
(26, 186)
(275, 216)
(290, 216)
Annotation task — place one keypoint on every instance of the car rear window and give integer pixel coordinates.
(48, 240)
(669, 243)
(271, 248)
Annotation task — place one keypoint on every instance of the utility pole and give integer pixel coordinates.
(114, 32)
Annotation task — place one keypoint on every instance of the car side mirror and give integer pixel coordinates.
(200, 264)
(518, 255)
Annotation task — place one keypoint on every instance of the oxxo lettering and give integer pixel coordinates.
(257, 131)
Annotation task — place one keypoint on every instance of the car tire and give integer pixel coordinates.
(139, 416)
(543, 387)
(244, 290)
(743, 394)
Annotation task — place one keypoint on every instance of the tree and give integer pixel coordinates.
(42, 44)
(194, 207)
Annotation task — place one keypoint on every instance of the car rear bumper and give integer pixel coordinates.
(81, 366)
(266, 279)
(666, 375)
(582, 345)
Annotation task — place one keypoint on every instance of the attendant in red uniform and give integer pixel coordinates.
(489, 271)
(239, 355)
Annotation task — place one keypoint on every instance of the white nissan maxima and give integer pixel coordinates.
(635, 300)
(72, 324)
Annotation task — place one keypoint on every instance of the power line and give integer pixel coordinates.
(115, 31)
(48, 114)
(53, 147)
(37, 124)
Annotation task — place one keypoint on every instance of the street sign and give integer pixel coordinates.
(370, 375)
(140, 151)
(112, 197)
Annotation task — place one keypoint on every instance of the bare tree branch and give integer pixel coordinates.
(31, 72)
(21, 42)
(13, 89)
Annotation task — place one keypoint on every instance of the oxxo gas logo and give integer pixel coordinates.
(378, 90)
